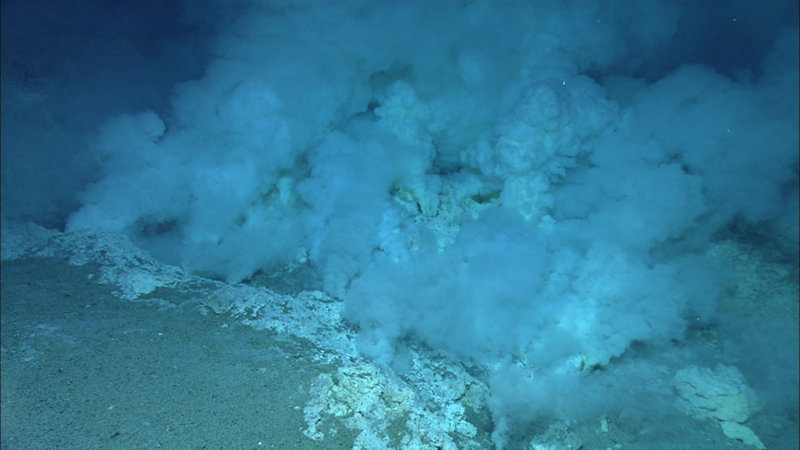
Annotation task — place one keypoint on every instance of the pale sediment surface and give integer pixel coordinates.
(90, 359)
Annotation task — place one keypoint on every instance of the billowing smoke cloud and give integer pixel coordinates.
(528, 186)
